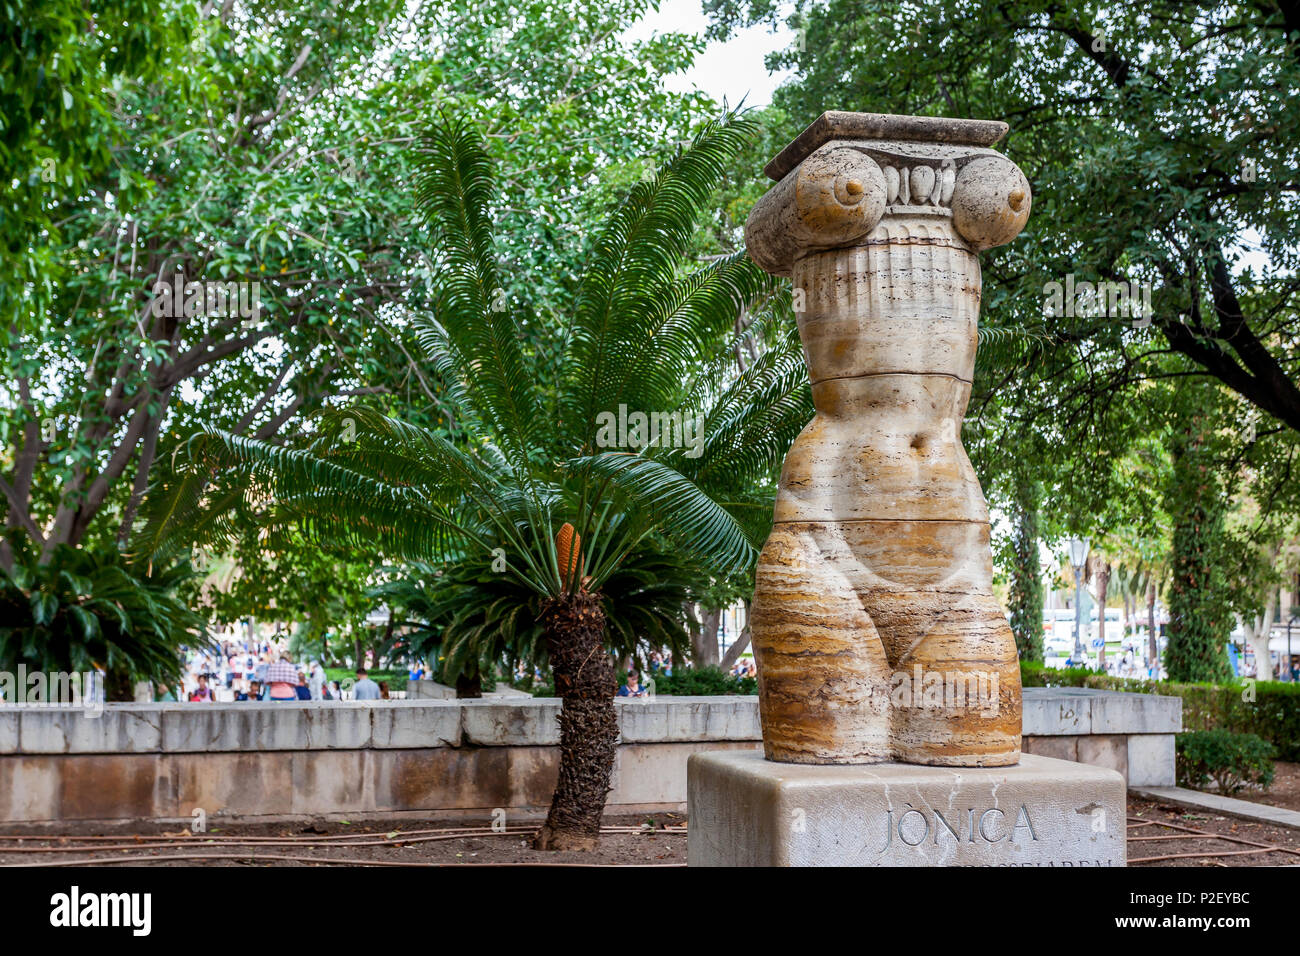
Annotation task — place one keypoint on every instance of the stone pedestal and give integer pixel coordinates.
(748, 811)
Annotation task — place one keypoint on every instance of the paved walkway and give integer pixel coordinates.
(1228, 806)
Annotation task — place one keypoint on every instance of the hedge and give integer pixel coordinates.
(1270, 709)
(1234, 762)
(701, 682)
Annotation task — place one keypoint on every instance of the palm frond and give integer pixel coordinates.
(454, 190)
(328, 501)
(633, 269)
(692, 316)
(674, 506)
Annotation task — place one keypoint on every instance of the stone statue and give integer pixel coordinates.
(877, 634)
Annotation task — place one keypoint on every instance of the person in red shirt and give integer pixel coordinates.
(203, 692)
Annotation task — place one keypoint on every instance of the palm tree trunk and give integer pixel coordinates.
(119, 685)
(469, 686)
(574, 625)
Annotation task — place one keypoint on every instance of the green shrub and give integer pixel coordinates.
(1233, 761)
(396, 678)
(701, 682)
(86, 609)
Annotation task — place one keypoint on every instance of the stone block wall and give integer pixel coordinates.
(443, 759)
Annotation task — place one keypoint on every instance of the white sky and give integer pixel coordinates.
(733, 69)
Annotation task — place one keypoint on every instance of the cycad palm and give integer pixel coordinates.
(643, 333)
(467, 617)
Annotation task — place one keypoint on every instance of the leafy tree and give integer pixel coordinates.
(82, 611)
(1199, 620)
(63, 63)
(1159, 138)
(534, 480)
(291, 580)
(1161, 145)
(252, 143)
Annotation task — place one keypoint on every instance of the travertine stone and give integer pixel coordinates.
(747, 811)
(1151, 760)
(874, 622)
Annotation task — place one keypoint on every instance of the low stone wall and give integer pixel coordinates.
(443, 759)
(1131, 733)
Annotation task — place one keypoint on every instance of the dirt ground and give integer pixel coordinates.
(654, 840)
(1154, 830)
(1162, 830)
(1285, 791)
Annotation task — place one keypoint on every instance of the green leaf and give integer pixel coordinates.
(44, 607)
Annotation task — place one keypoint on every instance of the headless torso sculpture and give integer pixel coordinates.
(877, 634)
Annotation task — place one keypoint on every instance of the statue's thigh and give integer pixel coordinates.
(955, 684)
(822, 670)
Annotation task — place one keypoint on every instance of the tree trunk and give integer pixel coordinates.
(741, 642)
(469, 686)
(574, 626)
(119, 686)
(1027, 592)
(1199, 616)
(704, 643)
(1103, 582)
(1153, 645)
(1257, 629)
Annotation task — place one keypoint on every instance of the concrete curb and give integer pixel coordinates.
(1228, 806)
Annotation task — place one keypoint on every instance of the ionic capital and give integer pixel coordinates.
(850, 172)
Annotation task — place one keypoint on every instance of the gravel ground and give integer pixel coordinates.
(1166, 822)
(1285, 791)
(655, 840)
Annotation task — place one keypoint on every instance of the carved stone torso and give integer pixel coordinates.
(877, 575)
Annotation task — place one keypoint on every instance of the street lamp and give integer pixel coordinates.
(1078, 558)
(1287, 667)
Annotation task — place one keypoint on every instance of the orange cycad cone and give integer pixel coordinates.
(568, 548)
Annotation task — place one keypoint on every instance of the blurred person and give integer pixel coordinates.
(303, 691)
(316, 681)
(632, 688)
(283, 678)
(365, 688)
(202, 693)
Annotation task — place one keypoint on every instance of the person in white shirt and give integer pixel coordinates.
(316, 681)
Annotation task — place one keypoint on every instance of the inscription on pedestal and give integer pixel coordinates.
(747, 811)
